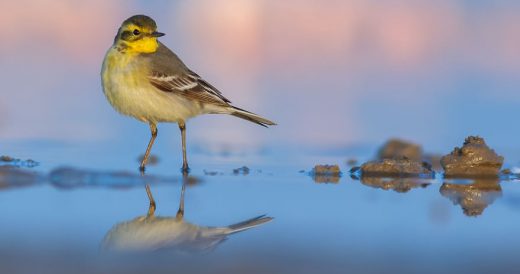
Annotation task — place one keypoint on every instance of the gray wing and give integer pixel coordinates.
(170, 74)
(202, 241)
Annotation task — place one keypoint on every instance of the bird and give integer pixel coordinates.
(144, 79)
(152, 233)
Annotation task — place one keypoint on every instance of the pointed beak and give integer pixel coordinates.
(157, 34)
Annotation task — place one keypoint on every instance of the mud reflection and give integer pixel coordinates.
(72, 178)
(12, 177)
(67, 177)
(474, 197)
(151, 232)
(326, 174)
(401, 185)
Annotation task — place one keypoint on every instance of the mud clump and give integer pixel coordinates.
(473, 159)
(397, 167)
(326, 174)
(396, 158)
(396, 148)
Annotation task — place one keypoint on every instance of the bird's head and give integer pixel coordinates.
(138, 34)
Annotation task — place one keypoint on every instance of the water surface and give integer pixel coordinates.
(61, 210)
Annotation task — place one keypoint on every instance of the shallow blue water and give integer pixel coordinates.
(361, 226)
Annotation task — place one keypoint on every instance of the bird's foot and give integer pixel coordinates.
(185, 170)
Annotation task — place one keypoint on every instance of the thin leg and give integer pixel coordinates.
(180, 212)
(182, 127)
(151, 207)
(153, 129)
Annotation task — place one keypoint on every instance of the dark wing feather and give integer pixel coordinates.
(207, 86)
(171, 75)
(189, 86)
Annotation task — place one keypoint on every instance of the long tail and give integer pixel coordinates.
(248, 224)
(246, 115)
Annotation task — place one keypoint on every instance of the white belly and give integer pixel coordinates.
(130, 93)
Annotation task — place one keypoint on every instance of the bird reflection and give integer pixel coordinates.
(475, 197)
(401, 185)
(150, 232)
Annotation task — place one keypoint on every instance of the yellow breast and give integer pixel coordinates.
(122, 74)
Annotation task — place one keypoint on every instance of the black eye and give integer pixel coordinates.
(136, 32)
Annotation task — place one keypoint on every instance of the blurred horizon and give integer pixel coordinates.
(333, 73)
(339, 77)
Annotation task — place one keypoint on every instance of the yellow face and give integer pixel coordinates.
(138, 39)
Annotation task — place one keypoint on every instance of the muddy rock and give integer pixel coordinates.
(397, 167)
(326, 174)
(473, 198)
(474, 158)
(395, 148)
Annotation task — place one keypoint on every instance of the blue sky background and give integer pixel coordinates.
(331, 73)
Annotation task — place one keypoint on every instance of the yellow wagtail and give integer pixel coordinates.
(144, 79)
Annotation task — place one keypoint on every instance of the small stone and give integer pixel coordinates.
(242, 170)
(326, 174)
(506, 171)
(326, 169)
